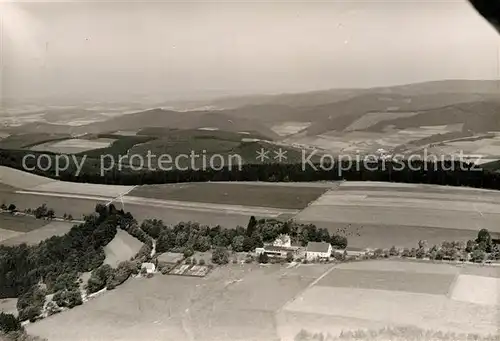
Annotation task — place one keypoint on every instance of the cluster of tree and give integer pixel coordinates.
(55, 262)
(30, 303)
(11, 207)
(43, 212)
(107, 277)
(12, 330)
(9, 323)
(404, 333)
(67, 216)
(452, 173)
(191, 236)
(19, 335)
(476, 250)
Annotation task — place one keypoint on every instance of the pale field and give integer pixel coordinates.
(8, 306)
(401, 281)
(27, 181)
(72, 146)
(174, 215)
(55, 228)
(376, 294)
(232, 303)
(477, 289)
(207, 207)
(108, 191)
(361, 142)
(289, 128)
(15, 178)
(373, 118)
(8, 234)
(434, 312)
(4, 135)
(121, 248)
(411, 206)
(402, 266)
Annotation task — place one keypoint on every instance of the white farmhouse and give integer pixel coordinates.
(317, 250)
(150, 267)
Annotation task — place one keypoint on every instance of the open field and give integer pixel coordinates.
(109, 191)
(289, 128)
(21, 224)
(477, 289)
(175, 214)
(185, 308)
(73, 146)
(367, 298)
(388, 280)
(55, 228)
(373, 118)
(385, 214)
(77, 207)
(15, 178)
(8, 306)
(20, 141)
(367, 142)
(8, 234)
(275, 302)
(121, 248)
(234, 194)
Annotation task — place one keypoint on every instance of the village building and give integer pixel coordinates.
(150, 267)
(318, 250)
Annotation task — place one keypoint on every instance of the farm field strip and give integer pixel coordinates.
(19, 223)
(339, 199)
(55, 228)
(426, 188)
(436, 284)
(82, 189)
(73, 145)
(8, 234)
(319, 184)
(66, 195)
(206, 207)
(15, 178)
(424, 268)
(277, 197)
(396, 216)
(477, 198)
(427, 311)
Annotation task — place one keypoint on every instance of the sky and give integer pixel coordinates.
(175, 50)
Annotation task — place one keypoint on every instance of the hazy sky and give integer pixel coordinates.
(173, 49)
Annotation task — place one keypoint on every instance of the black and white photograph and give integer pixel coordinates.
(250, 170)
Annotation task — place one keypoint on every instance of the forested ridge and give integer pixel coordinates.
(451, 173)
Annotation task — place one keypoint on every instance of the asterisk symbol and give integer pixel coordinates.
(262, 155)
(280, 155)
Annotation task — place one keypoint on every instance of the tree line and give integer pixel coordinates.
(451, 173)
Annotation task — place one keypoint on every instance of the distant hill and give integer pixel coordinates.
(321, 97)
(439, 102)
